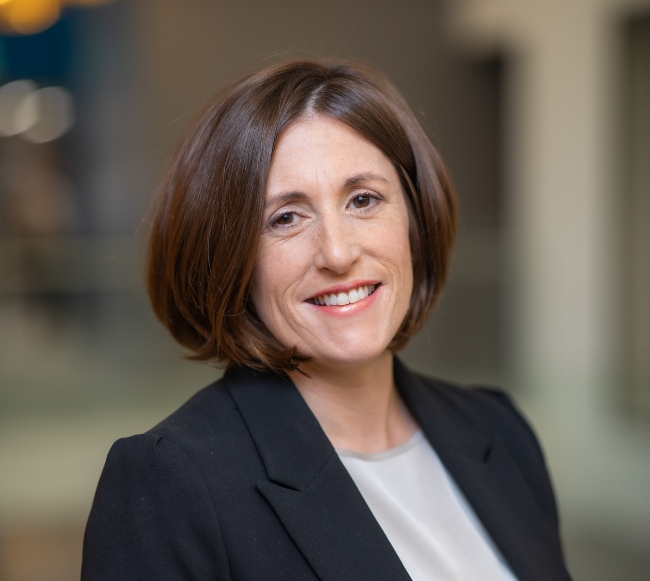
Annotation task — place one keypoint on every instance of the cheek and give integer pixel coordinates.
(263, 283)
(277, 267)
(398, 246)
(405, 266)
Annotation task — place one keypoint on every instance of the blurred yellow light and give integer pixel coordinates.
(30, 16)
(5, 7)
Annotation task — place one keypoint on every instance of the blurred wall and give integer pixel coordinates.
(576, 150)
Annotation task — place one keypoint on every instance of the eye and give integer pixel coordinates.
(364, 201)
(361, 201)
(285, 219)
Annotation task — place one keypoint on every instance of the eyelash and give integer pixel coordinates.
(273, 223)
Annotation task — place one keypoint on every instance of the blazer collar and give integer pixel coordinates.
(308, 487)
(443, 428)
(489, 478)
(308, 482)
(293, 446)
(288, 437)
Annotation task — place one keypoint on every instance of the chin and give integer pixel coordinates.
(348, 357)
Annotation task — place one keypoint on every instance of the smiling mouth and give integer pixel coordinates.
(344, 298)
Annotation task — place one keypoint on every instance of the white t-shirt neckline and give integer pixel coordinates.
(385, 454)
(432, 527)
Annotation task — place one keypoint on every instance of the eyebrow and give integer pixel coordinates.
(364, 177)
(282, 199)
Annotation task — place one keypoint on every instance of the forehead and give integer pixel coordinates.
(321, 148)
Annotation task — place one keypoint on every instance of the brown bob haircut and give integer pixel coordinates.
(208, 215)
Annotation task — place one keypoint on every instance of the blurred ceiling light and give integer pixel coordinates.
(11, 96)
(50, 113)
(32, 16)
(37, 115)
(27, 113)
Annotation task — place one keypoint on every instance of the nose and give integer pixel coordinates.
(338, 249)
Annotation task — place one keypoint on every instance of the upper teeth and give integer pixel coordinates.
(347, 298)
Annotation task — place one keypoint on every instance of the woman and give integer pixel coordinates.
(301, 238)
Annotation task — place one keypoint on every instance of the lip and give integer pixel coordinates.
(344, 288)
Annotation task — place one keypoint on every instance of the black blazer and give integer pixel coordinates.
(241, 483)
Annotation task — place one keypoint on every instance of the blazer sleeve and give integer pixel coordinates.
(152, 518)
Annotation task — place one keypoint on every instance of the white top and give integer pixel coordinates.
(426, 518)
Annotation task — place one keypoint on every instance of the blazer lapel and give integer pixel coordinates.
(490, 480)
(309, 489)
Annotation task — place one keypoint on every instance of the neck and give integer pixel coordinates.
(358, 407)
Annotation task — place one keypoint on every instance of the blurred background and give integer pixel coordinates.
(541, 109)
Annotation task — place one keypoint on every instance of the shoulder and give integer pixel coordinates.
(205, 441)
(488, 409)
(172, 483)
(207, 434)
(202, 415)
(152, 496)
(206, 423)
(493, 413)
(169, 449)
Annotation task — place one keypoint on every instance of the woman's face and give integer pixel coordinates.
(333, 275)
